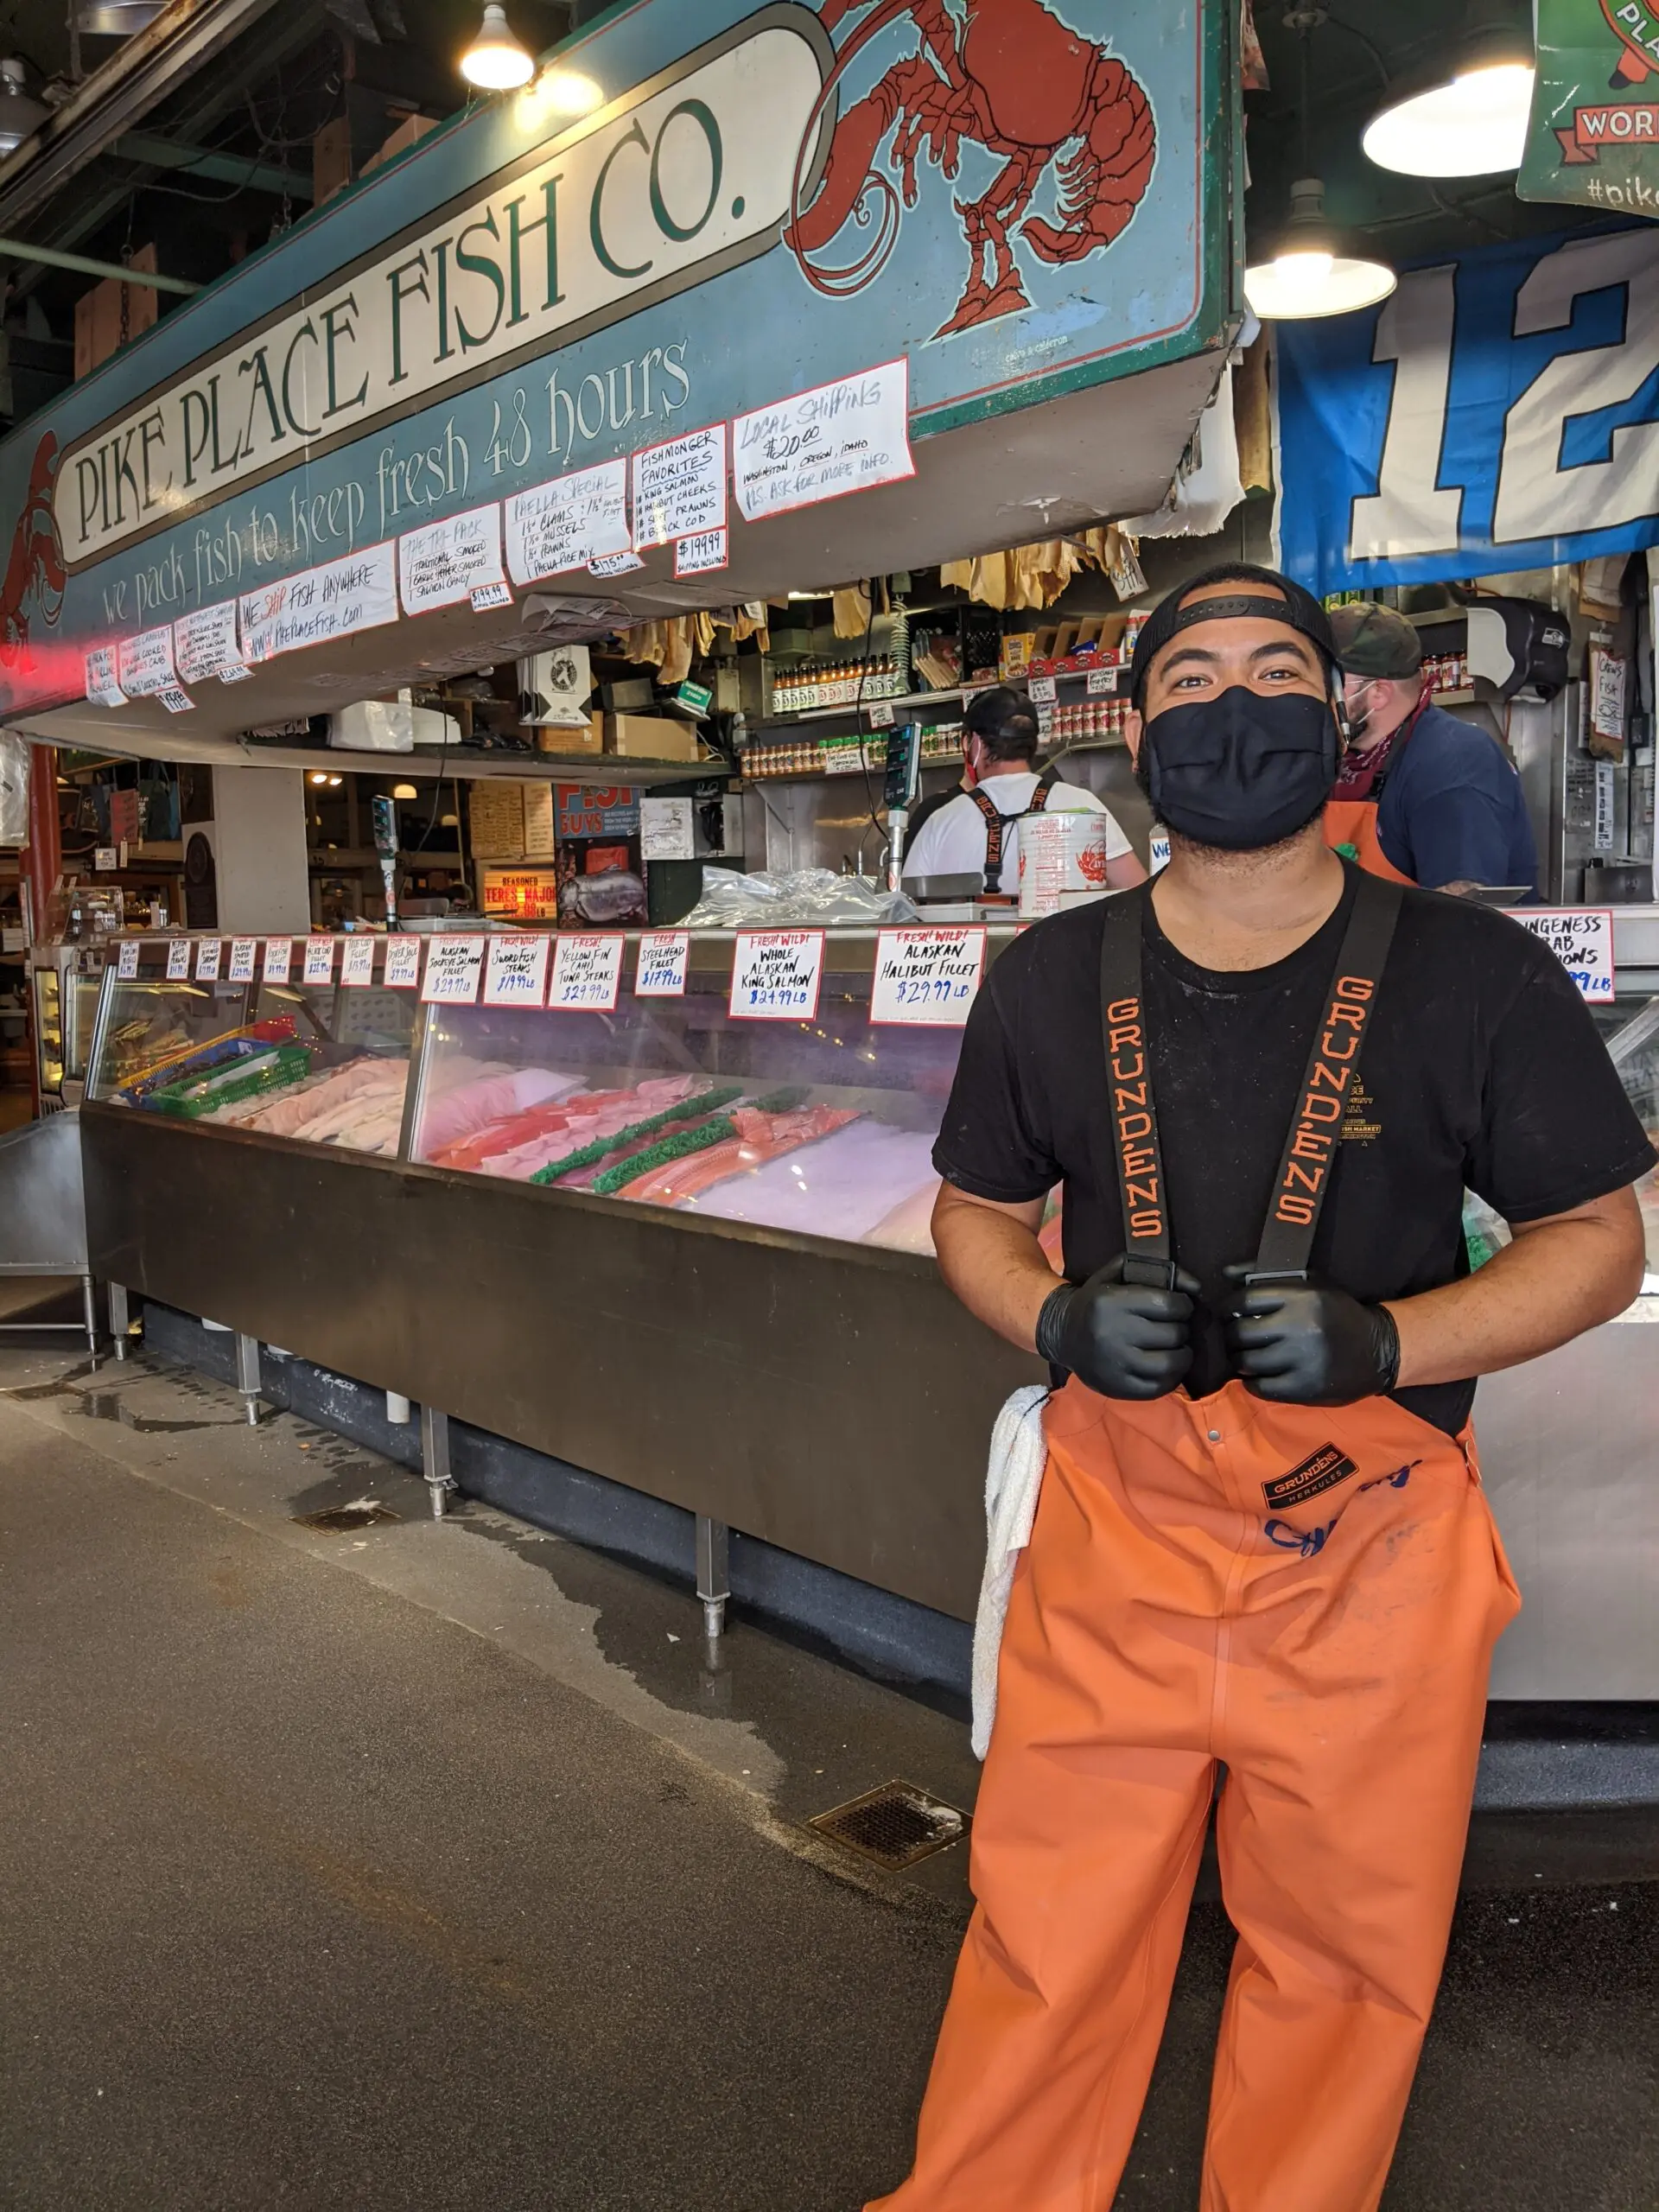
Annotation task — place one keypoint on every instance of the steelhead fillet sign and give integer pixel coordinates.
(524, 320)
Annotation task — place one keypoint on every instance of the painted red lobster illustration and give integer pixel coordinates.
(1012, 78)
(35, 568)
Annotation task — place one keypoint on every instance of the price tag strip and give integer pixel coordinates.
(1041, 690)
(665, 956)
(587, 974)
(357, 965)
(454, 968)
(700, 555)
(1581, 937)
(776, 975)
(279, 958)
(243, 951)
(516, 972)
(178, 960)
(403, 971)
(208, 949)
(319, 960)
(926, 978)
(126, 960)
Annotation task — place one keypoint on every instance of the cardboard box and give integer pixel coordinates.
(652, 737)
(589, 739)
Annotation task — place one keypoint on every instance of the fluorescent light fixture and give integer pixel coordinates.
(1466, 115)
(21, 115)
(1310, 272)
(495, 61)
(1474, 126)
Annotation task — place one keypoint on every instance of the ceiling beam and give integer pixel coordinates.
(55, 257)
(216, 166)
(153, 63)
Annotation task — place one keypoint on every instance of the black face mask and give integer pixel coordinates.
(1242, 770)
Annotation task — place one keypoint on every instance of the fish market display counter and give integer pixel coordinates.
(688, 1250)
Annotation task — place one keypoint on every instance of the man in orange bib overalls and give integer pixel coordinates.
(1260, 1548)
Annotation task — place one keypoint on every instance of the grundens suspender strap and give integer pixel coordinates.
(1304, 1176)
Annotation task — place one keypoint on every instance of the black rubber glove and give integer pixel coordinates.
(1124, 1339)
(1307, 1344)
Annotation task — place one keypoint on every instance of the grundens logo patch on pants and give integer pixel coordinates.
(1321, 1470)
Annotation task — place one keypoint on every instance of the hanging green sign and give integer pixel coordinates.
(1593, 137)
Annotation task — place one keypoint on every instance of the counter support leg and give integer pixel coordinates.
(89, 1308)
(714, 1574)
(120, 1318)
(247, 1375)
(435, 1457)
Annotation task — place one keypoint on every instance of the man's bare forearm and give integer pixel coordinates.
(1557, 1278)
(990, 1257)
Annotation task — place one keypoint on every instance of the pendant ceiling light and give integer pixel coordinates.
(1311, 268)
(116, 18)
(21, 115)
(495, 61)
(1466, 117)
(1310, 272)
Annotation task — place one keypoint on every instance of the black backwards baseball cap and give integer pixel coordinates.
(1204, 598)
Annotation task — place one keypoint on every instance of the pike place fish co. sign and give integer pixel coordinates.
(660, 191)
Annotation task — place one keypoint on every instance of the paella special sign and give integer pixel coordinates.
(648, 196)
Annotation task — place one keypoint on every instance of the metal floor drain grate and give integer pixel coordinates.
(340, 1520)
(895, 1825)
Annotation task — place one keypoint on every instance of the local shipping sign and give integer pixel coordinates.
(539, 346)
(1593, 138)
(1499, 411)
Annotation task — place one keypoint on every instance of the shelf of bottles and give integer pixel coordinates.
(812, 685)
(941, 745)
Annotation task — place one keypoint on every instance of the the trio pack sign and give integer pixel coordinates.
(1495, 413)
(644, 200)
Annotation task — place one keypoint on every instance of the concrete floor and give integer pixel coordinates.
(434, 1867)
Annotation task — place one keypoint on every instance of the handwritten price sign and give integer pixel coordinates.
(319, 960)
(517, 975)
(927, 978)
(403, 963)
(776, 975)
(663, 956)
(279, 958)
(243, 949)
(1581, 937)
(587, 974)
(208, 952)
(453, 967)
(357, 964)
(178, 960)
(126, 960)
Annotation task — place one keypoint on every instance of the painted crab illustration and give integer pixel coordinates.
(1008, 75)
(35, 569)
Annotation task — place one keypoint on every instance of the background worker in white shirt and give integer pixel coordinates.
(978, 832)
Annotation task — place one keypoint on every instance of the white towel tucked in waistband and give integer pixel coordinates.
(1013, 1478)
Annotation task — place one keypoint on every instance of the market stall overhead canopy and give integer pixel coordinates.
(628, 363)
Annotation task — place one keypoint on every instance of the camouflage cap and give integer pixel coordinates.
(1373, 640)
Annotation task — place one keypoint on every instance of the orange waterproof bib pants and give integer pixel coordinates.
(1309, 1597)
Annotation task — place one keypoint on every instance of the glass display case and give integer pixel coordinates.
(66, 980)
(824, 1127)
(320, 1063)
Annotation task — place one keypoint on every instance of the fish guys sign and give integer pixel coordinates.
(1023, 201)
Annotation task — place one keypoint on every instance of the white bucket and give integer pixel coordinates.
(1063, 860)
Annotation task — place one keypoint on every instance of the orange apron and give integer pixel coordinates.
(1305, 1596)
(1353, 821)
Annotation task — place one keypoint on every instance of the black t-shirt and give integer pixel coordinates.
(1480, 1066)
